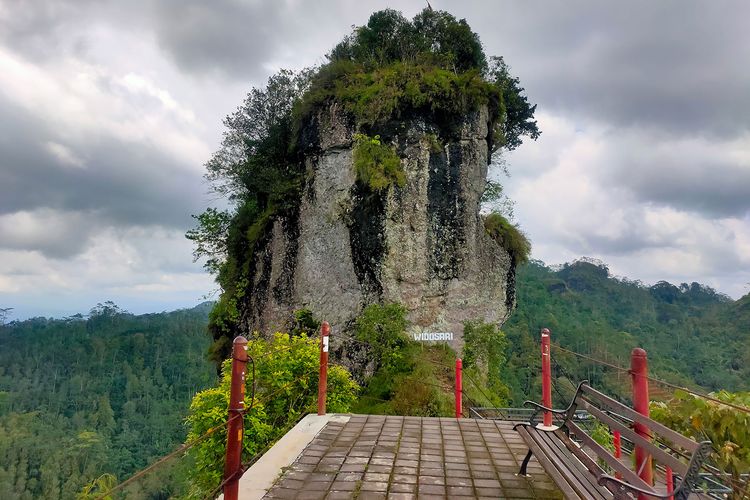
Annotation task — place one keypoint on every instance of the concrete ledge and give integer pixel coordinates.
(259, 478)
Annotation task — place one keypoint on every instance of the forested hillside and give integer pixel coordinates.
(693, 335)
(80, 397)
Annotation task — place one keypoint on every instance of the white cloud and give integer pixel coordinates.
(86, 101)
(134, 267)
(643, 161)
(56, 233)
(64, 154)
(587, 198)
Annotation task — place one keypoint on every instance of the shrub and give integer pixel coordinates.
(305, 323)
(726, 428)
(509, 236)
(413, 397)
(286, 387)
(383, 328)
(406, 372)
(375, 95)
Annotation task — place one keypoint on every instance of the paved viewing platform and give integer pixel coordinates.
(375, 456)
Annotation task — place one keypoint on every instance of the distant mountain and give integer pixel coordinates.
(107, 393)
(693, 334)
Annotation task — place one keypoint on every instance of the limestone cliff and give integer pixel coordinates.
(423, 245)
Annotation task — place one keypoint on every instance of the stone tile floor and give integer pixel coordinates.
(374, 456)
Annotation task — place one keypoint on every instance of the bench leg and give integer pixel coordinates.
(525, 464)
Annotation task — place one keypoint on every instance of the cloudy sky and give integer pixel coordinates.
(108, 111)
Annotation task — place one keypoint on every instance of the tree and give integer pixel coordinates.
(4, 313)
(255, 144)
(728, 429)
(519, 114)
(97, 413)
(97, 488)
(210, 238)
(436, 35)
(284, 387)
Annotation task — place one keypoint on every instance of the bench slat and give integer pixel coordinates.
(588, 488)
(607, 402)
(627, 474)
(659, 455)
(587, 461)
(547, 464)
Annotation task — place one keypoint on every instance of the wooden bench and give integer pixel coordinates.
(560, 450)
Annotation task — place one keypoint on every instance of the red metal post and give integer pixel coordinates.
(617, 439)
(459, 388)
(639, 372)
(546, 376)
(235, 426)
(670, 482)
(325, 331)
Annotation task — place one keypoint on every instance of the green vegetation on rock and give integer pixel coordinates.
(484, 359)
(509, 236)
(376, 164)
(400, 90)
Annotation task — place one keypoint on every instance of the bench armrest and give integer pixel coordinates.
(542, 407)
(606, 478)
(539, 408)
(567, 411)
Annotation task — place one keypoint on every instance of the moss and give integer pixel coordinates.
(435, 145)
(446, 208)
(509, 236)
(366, 224)
(376, 164)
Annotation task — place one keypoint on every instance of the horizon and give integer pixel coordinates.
(139, 309)
(109, 113)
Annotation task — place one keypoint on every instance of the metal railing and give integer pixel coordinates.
(514, 414)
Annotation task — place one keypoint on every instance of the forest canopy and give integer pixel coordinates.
(387, 71)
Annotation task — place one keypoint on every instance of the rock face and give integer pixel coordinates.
(422, 245)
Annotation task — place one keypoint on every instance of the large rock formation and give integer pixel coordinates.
(423, 245)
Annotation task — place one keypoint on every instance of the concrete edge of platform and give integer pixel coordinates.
(259, 478)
